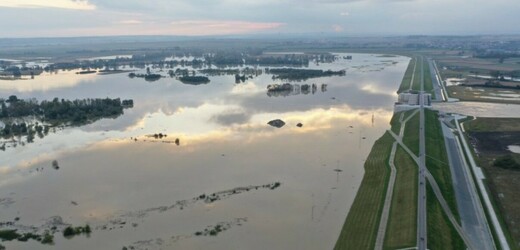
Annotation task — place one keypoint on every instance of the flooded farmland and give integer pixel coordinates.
(218, 177)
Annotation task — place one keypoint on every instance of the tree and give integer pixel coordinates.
(12, 99)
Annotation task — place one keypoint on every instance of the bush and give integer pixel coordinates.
(7, 235)
(69, 232)
(47, 238)
(506, 162)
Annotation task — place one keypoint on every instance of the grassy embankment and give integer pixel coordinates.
(411, 134)
(441, 233)
(395, 124)
(416, 85)
(437, 159)
(402, 222)
(428, 84)
(360, 228)
(406, 82)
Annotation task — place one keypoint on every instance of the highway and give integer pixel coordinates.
(422, 239)
(439, 95)
(472, 216)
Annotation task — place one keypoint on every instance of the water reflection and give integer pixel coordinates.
(47, 81)
(225, 144)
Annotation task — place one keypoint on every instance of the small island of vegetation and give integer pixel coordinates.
(30, 117)
(301, 74)
(147, 77)
(194, 80)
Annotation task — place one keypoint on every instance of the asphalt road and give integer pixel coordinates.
(435, 82)
(422, 241)
(471, 213)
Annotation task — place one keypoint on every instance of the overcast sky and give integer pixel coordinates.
(47, 18)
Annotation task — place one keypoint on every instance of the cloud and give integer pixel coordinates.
(130, 22)
(60, 4)
(213, 27)
(344, 13)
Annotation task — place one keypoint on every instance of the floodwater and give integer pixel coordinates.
(514, 148)
(480, 109)
(148, 193)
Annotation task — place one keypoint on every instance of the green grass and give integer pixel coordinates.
(428, 85)
(360, 228)
(407, 78)
(411, 134)
(441, 233)
(394, 122)
(417, 79)
(402, 223)
(437, 159)
(493, 124)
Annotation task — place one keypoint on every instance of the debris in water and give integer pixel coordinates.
(55, 164)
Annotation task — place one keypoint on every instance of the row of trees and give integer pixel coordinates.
(24, 129)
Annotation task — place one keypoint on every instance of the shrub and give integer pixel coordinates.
(506, 162)
(69, 232)
(7, 235)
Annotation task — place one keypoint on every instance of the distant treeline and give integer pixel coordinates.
(301, 74)
(169, 59)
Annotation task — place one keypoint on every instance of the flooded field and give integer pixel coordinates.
(480, 109)
(218, 177)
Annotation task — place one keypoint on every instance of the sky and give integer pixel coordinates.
(68, 18)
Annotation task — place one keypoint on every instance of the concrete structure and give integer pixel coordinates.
(412, 100)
